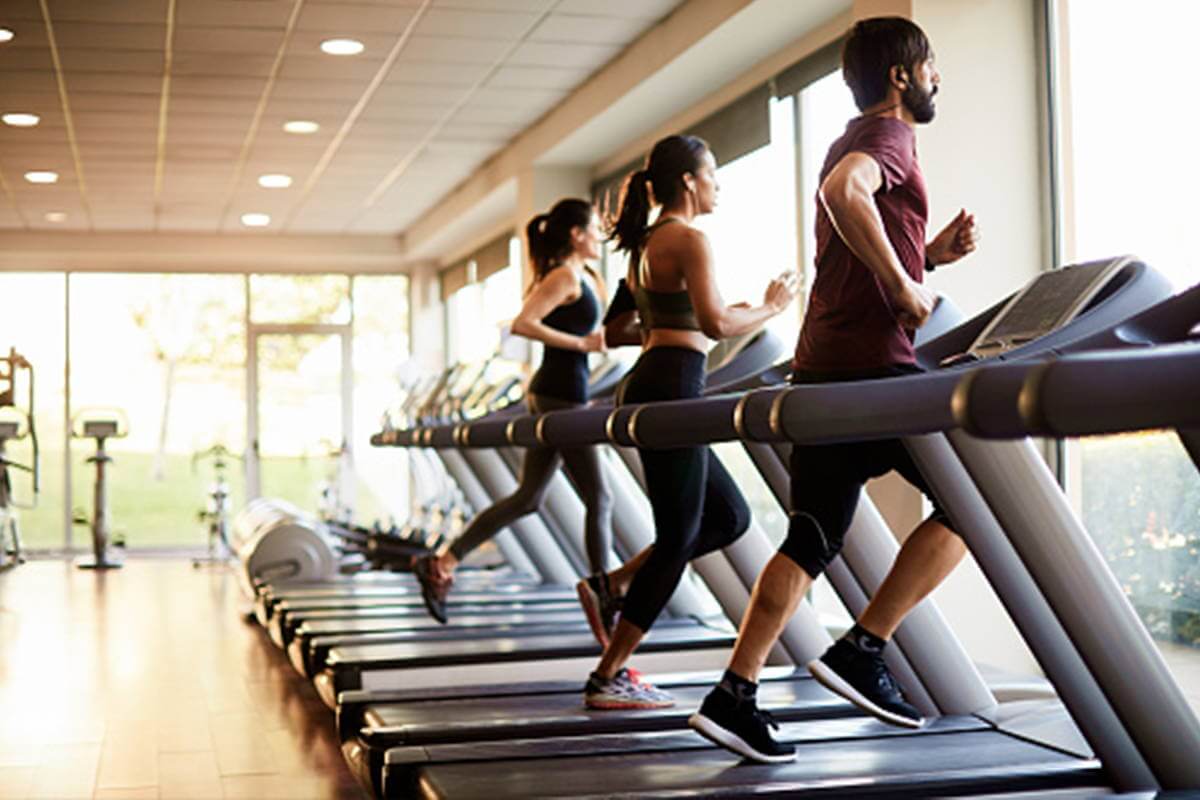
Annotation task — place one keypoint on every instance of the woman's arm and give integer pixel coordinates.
(718, 320)
(559, 287)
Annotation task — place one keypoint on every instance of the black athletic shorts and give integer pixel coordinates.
(827, 479)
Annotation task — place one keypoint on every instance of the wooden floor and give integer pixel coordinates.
(147, 682)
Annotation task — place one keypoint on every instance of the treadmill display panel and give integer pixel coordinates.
(1050, 301)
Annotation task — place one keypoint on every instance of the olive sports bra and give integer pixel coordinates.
(671, 310)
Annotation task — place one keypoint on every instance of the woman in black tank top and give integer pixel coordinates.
(561, 310)
(671, 283)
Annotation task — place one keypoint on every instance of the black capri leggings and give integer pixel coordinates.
(697, 506)
(582, 465)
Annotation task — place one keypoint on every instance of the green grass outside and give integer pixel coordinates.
(149, 513)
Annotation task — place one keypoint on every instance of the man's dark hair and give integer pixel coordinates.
(875, 46)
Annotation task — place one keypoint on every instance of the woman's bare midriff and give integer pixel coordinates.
(672, 337)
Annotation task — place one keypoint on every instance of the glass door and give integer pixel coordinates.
(299, 416)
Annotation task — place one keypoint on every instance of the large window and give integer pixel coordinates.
(1126, 189)
(165, 356)
(479, 313)
(32, 324)
(753, 230)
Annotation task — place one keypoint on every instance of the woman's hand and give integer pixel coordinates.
(781, 292)
(593, 342)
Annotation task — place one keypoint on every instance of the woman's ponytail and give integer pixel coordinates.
(535, 235)
(634, 214)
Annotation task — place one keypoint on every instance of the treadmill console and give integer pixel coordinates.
(1048, 302)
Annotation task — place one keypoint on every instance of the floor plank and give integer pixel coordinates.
(147, 683)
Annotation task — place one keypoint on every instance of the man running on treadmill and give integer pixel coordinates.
(867, 300)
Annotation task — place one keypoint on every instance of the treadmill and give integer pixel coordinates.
(376, 665)
(1002, 748)
(367, 615)
(284, 607)
(371, 722)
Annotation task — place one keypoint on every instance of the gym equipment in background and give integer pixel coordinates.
(15, 424)
(101, 426)
(216, 506)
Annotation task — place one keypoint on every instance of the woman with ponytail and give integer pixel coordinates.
(561, 310)
(672, 285)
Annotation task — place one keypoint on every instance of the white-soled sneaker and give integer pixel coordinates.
(624, 692)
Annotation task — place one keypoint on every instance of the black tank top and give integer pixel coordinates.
(564, 373)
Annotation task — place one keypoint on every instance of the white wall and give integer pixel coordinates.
(983, 152)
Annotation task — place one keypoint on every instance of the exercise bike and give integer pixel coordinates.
(216, 506)
(15, 424)
(100, 426)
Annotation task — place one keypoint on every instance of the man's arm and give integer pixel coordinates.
(848, 194)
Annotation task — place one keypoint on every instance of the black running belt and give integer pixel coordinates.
(311, 650)
(837, 758)
(347, 666)
(283, 625)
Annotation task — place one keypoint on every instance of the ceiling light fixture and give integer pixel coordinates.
(301, 126)
(18, 120)
(41, 176)
(342, 47)
(275, 181)
(6, 35)
(56, 216)
(256, 220)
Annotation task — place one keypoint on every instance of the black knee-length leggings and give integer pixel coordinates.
(697, 506)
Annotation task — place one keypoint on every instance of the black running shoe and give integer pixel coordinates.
(864, 679)
(433, 590)
(599, 606)
(740, 726)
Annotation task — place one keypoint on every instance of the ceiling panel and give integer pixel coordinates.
(342, 19)
(106, 11)
(430, 73)
(231, 64)
(97, 36)
(13, 59)
(588, 28)
(456, 50)
(645, 10)
(497, 5)
(17, 11)
(112, 82)
(432, 109)
(475, 24)
(576, 56)
(538, 78)
(327, 67)
(233, 13)
(261, 41)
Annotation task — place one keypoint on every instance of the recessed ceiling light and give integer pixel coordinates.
(275, 181)
(21, 120)
(342, 47)
(256, 220)
(41, 176)
(301, 126)
(56, 216)
(6, 35)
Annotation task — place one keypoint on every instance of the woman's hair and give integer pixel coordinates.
(549, 235)
(668, 162)
(873, 47)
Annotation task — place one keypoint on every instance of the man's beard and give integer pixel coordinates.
(919, 102)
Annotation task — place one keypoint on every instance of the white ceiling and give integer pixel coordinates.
(442, 86)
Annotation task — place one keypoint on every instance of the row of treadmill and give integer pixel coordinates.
(490, 704)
